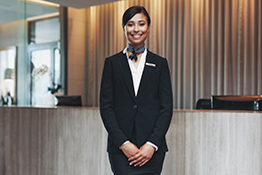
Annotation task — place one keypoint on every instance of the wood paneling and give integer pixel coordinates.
(68, 141)
(77, 48)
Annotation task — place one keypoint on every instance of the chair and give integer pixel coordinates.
(203, 104)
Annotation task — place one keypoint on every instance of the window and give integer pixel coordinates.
(7, 76)
(45, 61)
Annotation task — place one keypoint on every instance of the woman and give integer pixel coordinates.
(136, 101)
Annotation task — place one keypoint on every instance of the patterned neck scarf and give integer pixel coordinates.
(134, 52)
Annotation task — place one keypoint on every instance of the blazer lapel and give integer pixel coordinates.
(126, 72)
(146, 74)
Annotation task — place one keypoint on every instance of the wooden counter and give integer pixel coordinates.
(72, 141)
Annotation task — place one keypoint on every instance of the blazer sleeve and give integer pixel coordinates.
(107, 105)
(166, 106)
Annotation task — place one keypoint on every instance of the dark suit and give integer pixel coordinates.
(149, 112)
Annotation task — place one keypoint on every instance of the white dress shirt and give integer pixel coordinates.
(136, 72)
(136, 76)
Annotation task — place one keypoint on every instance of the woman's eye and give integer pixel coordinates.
(142, 24)
(130, 25)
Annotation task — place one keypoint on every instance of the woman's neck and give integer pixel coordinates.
(136, 46)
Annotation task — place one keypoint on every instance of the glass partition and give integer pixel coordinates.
(15, 16)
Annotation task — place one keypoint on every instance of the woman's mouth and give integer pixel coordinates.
(136, 36)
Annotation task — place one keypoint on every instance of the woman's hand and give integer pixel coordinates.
(129, 149)
(145, 154)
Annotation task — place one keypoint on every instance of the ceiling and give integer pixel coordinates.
(81, 3)
(12, 10)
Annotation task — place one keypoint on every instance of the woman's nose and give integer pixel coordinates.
(136, 29)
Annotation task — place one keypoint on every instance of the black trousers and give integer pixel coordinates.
(120, 165)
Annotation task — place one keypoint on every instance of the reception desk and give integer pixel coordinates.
(72, 141)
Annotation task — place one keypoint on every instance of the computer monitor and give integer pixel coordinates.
(237, 102)
(69, 100)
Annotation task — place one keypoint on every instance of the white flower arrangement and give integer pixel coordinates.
(38, 72)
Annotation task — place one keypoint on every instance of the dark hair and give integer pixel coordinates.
(132, 11)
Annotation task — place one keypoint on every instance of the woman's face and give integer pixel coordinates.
(136, 30)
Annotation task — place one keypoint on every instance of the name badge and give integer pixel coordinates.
(151, 64)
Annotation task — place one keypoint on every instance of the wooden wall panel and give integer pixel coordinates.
(67, 141)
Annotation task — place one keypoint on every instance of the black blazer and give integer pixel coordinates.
(150, 111)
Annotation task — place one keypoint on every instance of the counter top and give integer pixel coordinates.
(97, 108)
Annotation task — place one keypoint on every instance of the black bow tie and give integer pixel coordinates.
(134, 52)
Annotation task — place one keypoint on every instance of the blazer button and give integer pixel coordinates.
(135, 106)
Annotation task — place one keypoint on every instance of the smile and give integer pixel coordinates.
(136, 36)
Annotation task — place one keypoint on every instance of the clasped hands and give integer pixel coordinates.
(138, 157)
